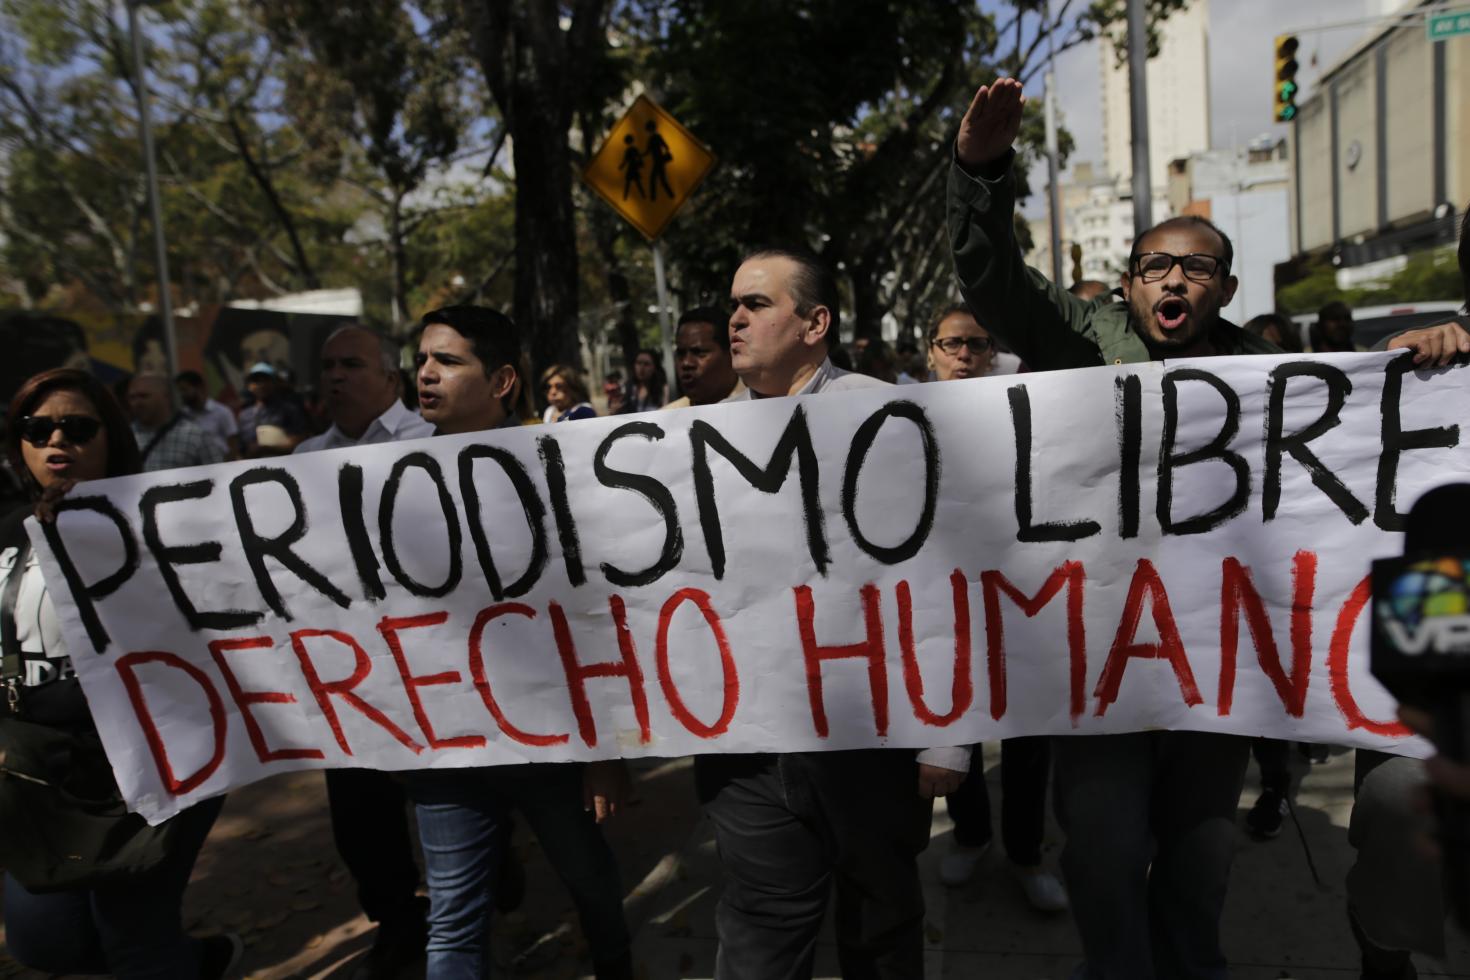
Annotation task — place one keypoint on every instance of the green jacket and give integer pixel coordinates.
(1042, 323)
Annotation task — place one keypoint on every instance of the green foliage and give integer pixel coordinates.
(1429, 275)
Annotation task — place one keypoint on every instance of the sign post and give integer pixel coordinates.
(646, 169)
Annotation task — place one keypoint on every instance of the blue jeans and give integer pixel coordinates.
(131, 930)
(464, 827)
(1150, 824)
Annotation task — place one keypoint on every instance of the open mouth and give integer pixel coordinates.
(1171, 312)
(58, 463)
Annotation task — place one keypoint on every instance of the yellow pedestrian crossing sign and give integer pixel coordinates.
(648, 166)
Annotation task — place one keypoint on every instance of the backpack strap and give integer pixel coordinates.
(12, 660)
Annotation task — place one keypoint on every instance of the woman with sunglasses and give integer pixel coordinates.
(960, 348)
(64, 427)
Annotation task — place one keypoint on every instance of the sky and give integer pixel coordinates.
(1240, 50)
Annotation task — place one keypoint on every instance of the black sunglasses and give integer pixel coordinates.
(78, 429)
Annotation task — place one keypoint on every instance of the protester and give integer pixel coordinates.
(612, 391)
(64, 427)
(208, 414)
(468, 381)
(1333, 330)
(1149, 816)
(960, 348)
(912, 368)
(370, 827)
(647, 389)
(876, 361)
(566, 395)
(167, 439)
(1275, 329)
(273, 424)
(791, 826)
(702, 358)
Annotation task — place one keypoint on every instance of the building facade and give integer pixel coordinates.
(1178, 103)
(1381, 149)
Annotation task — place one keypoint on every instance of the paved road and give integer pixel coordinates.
(269, 872)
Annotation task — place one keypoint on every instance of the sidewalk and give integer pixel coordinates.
(270, 873)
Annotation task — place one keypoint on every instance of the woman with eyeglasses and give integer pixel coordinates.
(64, 427)
(566, 395)
(960, 348)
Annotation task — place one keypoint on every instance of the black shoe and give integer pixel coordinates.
(399, 945)
(219, 956)
(1264, 819)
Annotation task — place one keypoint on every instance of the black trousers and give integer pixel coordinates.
(790, 828)
(1273, 755)
(1025, 768)
(370, 829)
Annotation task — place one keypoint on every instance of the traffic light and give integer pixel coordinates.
(1286, 86)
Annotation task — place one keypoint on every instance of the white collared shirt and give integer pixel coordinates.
(397, 424)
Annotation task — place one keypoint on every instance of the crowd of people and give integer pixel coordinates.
(1148, 816)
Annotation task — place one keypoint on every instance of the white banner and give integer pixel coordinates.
(1170, 545)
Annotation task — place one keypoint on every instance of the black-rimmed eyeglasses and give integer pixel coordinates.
(1153, 266)
(952, 345)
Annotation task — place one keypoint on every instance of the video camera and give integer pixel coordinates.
(1421, 651)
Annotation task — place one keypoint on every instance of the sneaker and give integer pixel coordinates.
(1264, 819)
(959, 865)
(1043, 889)
(220, 955)
(399, 945)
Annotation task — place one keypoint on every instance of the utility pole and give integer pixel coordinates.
(1143, 210)
(1053, 175)
(145, 127)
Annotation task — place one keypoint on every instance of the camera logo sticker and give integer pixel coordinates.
(1427, 609)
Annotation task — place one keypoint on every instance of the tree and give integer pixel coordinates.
(841, 141)
(378, 99)
(540, 73)
(73, 201)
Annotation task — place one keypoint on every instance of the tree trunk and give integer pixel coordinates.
(537, 73)
(867, 306)
(396, 262)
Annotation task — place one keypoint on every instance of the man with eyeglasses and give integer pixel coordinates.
(1149, 816)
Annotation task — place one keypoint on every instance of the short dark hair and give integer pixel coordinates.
(1291, 340)
(712, 316)
(945, 314)
(1188, 221)
(1335, 310)
(122, 449)
(492, 336)
(189, 378)
(813, 285)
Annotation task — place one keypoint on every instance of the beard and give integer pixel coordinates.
(1197, 323)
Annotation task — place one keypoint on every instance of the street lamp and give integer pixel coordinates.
(145, 128)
